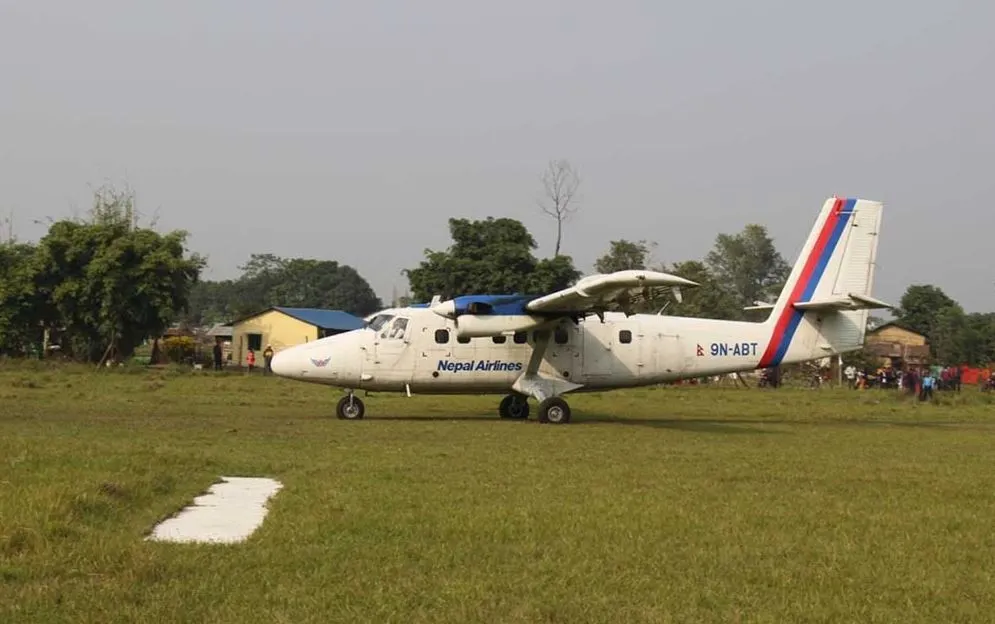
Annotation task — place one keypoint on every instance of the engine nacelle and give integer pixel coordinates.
(474, 326)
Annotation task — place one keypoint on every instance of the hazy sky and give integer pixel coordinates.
(337, 130)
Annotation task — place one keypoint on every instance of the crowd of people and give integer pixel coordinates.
(921, 381)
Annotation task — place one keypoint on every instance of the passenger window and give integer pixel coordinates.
(520, 337)
(560, 336)
(625, 336)
(499, 339)
(441, 336)
(463, 340)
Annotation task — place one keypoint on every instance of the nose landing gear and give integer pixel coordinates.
(350, 407)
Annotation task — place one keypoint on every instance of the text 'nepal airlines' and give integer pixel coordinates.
(585, 338)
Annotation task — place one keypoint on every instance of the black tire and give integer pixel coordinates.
(514, 407)
(555, 411)
(350, 411)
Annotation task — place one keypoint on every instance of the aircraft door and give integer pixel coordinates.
(597, 361)
(632, 352)
(392, 352)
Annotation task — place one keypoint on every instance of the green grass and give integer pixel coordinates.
(657, 505)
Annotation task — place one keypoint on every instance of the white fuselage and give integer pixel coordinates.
(426, 357)
(821, 311)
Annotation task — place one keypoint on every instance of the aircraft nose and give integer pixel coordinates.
(284, 363)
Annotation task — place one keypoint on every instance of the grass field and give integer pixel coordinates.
(658, 505)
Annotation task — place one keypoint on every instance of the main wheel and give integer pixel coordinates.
(554, 410)
(350, 408)
(514, 406)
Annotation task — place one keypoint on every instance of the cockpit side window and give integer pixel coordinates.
(398, 328)
(379, 322)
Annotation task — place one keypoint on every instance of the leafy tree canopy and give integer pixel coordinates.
(748, 265)
(108, 284)
(493, 256)
(100, 282)
(19, 301)
(710, 299)
(623, 255)
(268, 280)
(920, 305)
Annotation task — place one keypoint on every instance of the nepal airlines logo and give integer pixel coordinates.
(482, 365)
(321, 363)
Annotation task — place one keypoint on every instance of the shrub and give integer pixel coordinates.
(179, 348)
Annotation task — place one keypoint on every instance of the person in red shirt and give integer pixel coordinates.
(250, 359)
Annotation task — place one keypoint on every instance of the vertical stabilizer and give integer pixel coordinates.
(816, 314)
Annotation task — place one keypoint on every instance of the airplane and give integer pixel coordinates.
(586, 338)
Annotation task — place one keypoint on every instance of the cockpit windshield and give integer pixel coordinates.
(379, 321)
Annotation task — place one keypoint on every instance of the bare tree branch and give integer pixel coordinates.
(559, 182)
(8, 224)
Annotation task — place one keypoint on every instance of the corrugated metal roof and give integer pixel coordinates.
(325, 319)
(220, 330)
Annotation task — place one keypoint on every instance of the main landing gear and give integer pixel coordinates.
(350, 408)
(553, 410)
(514, 406)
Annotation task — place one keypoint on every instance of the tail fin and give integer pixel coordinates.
(823, 307)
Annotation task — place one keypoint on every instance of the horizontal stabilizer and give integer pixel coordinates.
(759, 305)
(850, 302)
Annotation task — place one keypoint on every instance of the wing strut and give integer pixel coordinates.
(541, 386)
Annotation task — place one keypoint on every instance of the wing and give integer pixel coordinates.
(597, 293)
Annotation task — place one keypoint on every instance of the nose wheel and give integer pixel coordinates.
(350, 408)
(515, 407)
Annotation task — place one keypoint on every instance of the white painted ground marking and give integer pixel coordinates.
(227, 514)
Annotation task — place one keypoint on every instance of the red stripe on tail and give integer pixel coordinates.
(801, 284)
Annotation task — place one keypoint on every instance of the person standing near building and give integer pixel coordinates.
(250, 360)
(217, 355)
(928, 381)
(268, 360)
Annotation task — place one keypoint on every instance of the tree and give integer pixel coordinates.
(269, 280)
(19, 300)
(213, 302)
(979, 347)
(948, 335)
(109, 283)
(623, 255)
(748, 265)
(559, 183)
(919, 306)
(493, 256)
(710, 299)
